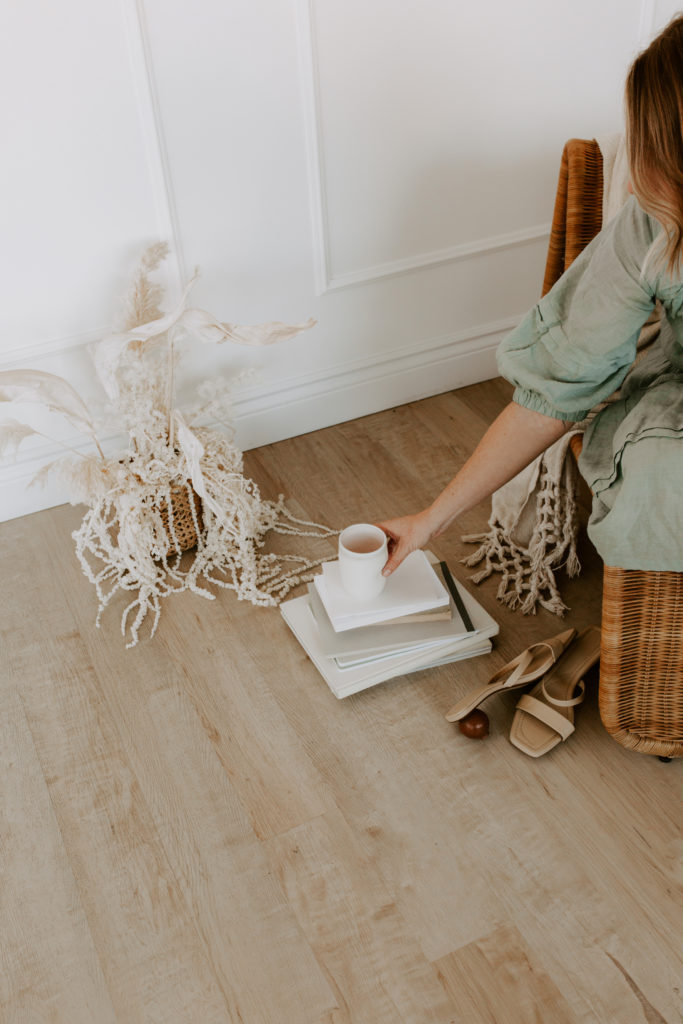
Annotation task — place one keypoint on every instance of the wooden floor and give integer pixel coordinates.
(196, 830)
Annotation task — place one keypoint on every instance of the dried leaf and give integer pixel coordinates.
(193, 450)
(205, 327)
(53, 392)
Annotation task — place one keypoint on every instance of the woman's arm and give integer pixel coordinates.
(571, 351)
(513, 440)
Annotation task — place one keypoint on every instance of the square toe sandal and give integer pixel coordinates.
(544, 717)
(528, 666)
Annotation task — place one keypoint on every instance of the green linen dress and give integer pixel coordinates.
(575, 348)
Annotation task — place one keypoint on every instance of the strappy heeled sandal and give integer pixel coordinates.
(544, 717)
(522, 670)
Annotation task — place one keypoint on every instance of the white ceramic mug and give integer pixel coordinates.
(363, 551)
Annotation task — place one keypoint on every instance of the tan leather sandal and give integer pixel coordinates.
(544, 717)
(528, 666)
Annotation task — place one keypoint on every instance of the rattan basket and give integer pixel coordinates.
(641, 660)
(183, 498)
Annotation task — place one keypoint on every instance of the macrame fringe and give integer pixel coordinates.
(528, 573)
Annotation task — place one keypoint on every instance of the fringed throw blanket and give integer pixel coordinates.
(533, 529)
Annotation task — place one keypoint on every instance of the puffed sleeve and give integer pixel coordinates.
(574, 348)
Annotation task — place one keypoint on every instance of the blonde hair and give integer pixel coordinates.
(654, 116)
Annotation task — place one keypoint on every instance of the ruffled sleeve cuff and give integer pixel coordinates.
(537, 403)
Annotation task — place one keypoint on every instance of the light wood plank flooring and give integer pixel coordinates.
(196, 830)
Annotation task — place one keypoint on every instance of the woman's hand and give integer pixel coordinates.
(405, 535)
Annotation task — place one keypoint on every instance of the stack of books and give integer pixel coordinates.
(422, 618)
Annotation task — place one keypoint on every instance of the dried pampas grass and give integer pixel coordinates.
(128, 539)
(141, 304)
(12, 433)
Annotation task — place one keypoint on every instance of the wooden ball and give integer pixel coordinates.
(475, 725)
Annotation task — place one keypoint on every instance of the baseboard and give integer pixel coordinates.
(303, 403)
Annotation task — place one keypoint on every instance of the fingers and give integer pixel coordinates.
(394, 560)
(395, 556)
(406, 535)
(397, 547)
(387, 525)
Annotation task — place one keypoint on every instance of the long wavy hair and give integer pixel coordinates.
(654, 130)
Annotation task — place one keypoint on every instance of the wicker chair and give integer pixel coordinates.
(641, 661)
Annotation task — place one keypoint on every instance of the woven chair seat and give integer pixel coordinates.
(641, 666)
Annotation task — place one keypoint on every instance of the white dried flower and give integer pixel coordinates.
(128, 539)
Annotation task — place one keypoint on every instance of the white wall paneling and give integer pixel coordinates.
(159, 170)
(78, 197)
(387, 168)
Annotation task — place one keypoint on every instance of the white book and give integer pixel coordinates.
(344, 682)
(352, 660)
(384, 637)
(413, 587)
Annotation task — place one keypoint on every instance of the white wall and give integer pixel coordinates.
(388, 168)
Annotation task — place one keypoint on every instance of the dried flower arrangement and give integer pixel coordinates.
(176, 478)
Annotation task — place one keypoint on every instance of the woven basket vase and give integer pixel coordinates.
(181, 513)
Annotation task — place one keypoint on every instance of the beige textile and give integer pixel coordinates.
(533, 523)
(533, 530)
(615, 174)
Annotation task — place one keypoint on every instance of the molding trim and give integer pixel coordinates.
(425, 261)
(299, 404)
(407, 359)
(55, 346)
(151, 121)
(325, 280)
(313, 131)
(264, 415)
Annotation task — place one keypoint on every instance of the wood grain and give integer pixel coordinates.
(198, 831)
(50, 967)
(511, 980)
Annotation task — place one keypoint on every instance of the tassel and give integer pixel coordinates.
(573, 564)
(483, 574)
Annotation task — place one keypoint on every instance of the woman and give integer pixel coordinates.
(576, 346)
